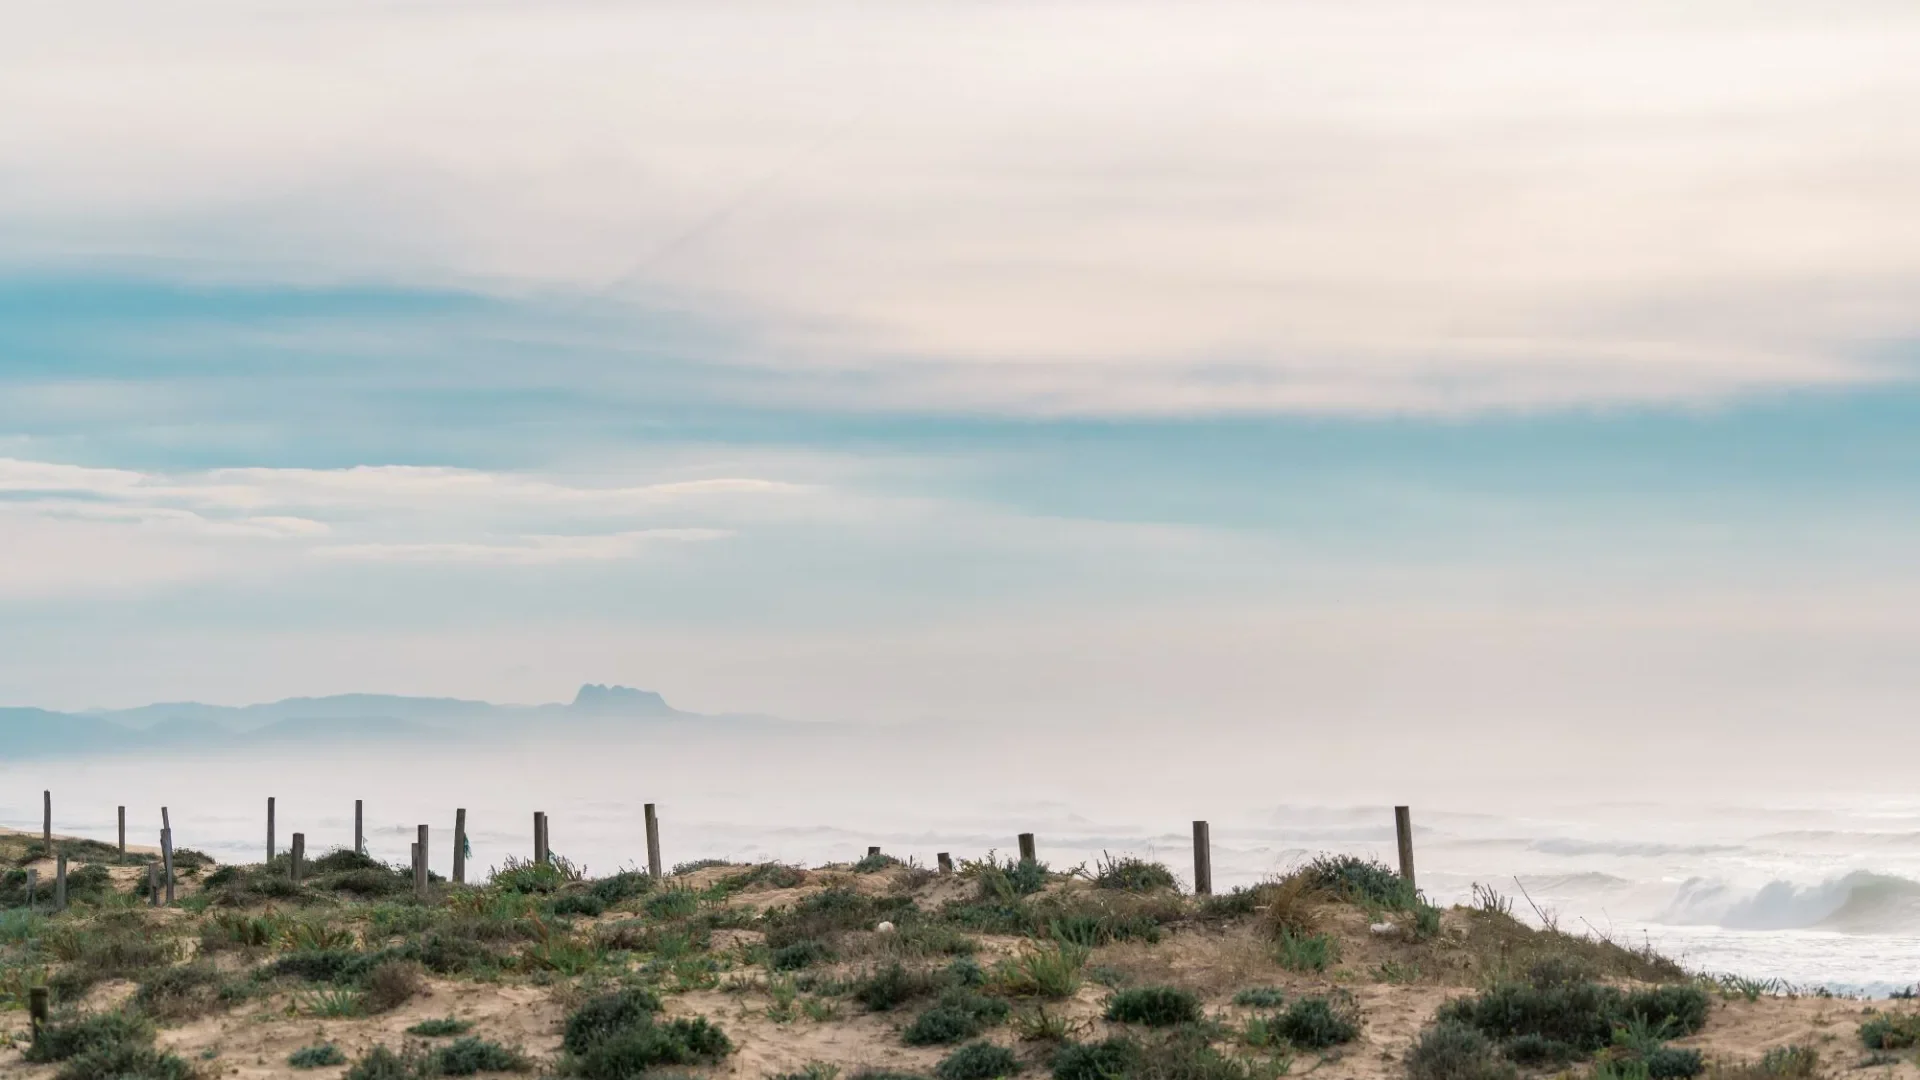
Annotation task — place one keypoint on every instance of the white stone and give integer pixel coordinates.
(884, 928)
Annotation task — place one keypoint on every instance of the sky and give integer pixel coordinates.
(1497, 368)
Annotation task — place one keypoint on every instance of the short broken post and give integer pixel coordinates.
(153, 883)
(37, 1010)
(123, 830)
(653, 843)
(539, 836)
(1027, 849)
(46, 821)
(460, 847)
(33, 888)
(1202, 859)
(269, 830)
(946, 862)
(60, 882)
(417, 888)
(872, 850)
(359, 831)
(1403, 831)
(166, 852)
(297, 856)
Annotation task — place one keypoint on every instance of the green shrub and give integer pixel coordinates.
(1107, 1060)
(977, 1061)
(672, 903)
(324, 965)
(464, 1057)
(1798, 1062)
(1360, 880)
(1680, 1009)
(874, 862)
(800, 954)
(316, 1057)
(608, 1015)
(1453, 1051)
(1891, 1031)
(67, 1035)
(1154, 1006)
(894, 985)
(392, 983)
(381, 1063)
(696, 865)
(1132, 875)
(1260, 997)
(579, 904)
(436, 1028)
(1559, 1014)
(635, 1050)
(178, 992)
(622, 886)
(124, 1061)
(959, 1014)
(1673, 1063)
(1051, 972)
(1316, 1023)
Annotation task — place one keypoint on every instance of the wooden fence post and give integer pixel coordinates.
(46, 820)
(359, 832)
(1403, 831)
(60, 882)
(460, 846)
(653, 843)
(872, 850)
(123, 830)
(417, 888)
(421, 876)
(37, 1010)
(1027, 849)
(1202, 859)
(539, 836)
(298, 856)
(33, 888)
(166, 861)
(269, 830)
(153, 883)
(946, 862)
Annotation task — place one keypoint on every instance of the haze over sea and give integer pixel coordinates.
(1815, 890)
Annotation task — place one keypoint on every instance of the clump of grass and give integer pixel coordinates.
(334, 1001)
(517, 876)
(894, 985)
(391, 984)
(1045, 971)
(316, 1057)
(433, 1029)
(1310, 952)
(1260, 997)
(1005, 881)
(180, 992)
(1154, 1006)
(977, 1061)
(1558, 1013)
(381, 1063)
(874, 862)
(1131, 874)
(1106, 1060)
(770, 875)
(1453, 1051)
(959, 1014)
(607, 1015)
(800, 954)
(672, 902)
(68, 1035)
(697, 865)
(1315, 1023)
(636, 1050)
(620, 887)
(1890, 1031)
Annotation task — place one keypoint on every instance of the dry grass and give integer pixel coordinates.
(1290, 906)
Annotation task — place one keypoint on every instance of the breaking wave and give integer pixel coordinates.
(1859, 903)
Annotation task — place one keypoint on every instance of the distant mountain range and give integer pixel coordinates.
(28, 732)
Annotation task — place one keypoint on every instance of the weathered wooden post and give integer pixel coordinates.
(33, 887)
(60, 882)
(539, 836)
(1403, 830)
(46, 820)
(946, 862)
(123, 830)
(37, 1010)
(873, 850)
(153, 883)
(422, 877)
(359, 832)
(460, 846)
(1027, 849)
(269, 830)
(417, 887)
(298, 856)
(653, 843)
(1202, 859)
(166, 851)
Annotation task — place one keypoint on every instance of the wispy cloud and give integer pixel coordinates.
(528, 551)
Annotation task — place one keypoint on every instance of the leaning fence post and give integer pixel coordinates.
(946, 862)
(460, 847)
(359, 833)
(1202, 859)
(60, 882)
(1027, 848)
(653, 843)
(123, 830)
(1403, 831)
(269, 830)
(298, 855)
(46, 821)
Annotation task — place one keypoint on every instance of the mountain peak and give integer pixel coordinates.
(594, 697)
